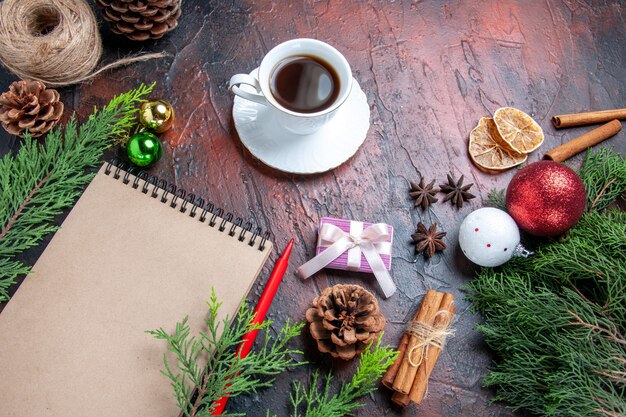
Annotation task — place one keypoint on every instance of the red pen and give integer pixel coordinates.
(260, 312)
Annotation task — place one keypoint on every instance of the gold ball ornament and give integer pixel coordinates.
(156, 115)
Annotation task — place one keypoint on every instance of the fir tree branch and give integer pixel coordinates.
(556, 321)
(319, 403)
(43, 179)
(604, 174)
(22, 205)
(614, 335)
(496, 198)
(198, 383)
(601, 193)
(9, 271)
(608, 412)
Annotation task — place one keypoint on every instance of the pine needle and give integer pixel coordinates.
(44, 178)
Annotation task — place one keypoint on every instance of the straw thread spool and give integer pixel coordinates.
(54, 41)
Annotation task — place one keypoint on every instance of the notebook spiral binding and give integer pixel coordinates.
(122, 170)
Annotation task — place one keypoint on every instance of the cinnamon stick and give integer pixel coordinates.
(418, 390)
(578, 119)
(408, 368)
(391, 373)
(574, 146)
(400, 399)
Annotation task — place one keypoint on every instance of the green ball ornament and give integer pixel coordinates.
(144, 149)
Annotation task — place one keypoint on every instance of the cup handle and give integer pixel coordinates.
(237, 79)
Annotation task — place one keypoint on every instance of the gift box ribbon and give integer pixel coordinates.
(355, 242)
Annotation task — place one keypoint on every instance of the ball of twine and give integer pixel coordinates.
(54, 41)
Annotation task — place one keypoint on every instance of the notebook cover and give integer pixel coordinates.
(72, 338)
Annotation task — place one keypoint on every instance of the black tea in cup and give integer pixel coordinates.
(304, 84)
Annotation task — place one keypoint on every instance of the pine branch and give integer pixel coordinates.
(496, 198)
(319, 403)
(604, 175)
(591, 261)
(43, 179)
(548, 363)
(21, 207)
(612, 334)
(198, 383)
(9, 270)
(556, 321)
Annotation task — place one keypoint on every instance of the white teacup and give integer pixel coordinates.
(296, 122)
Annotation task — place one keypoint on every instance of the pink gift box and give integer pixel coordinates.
(355, 228)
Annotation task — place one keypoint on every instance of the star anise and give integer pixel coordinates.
(428, 240)
(423, 195)
(456, 191)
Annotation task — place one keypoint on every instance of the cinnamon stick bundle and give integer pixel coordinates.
(574, 146)
(418, 390)
(578, 119)
(419, 348)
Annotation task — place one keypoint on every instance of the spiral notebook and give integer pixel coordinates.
(134, 254)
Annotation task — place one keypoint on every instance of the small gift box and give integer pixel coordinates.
(353, 246)
(354, 259)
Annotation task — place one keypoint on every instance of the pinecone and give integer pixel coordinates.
(140, 20)
(30, 105)
(344, 319)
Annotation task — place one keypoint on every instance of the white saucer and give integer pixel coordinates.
(318, 152)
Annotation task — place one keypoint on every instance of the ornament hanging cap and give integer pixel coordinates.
(521, 252)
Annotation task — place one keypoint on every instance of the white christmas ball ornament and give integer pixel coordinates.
(489, 237)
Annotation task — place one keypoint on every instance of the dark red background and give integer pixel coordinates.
(430, 70)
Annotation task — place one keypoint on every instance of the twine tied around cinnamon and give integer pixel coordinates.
(54, 41)
(428, 336)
